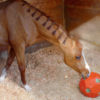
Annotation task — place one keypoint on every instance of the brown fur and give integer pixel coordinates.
(22, 25)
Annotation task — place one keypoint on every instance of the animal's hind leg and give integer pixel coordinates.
(20, 55)
(10, 59)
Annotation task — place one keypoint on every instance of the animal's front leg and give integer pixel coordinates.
(10, 59)
(20, 55)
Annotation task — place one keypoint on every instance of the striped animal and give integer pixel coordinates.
(22, 25)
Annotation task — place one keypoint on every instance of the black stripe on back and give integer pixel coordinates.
(42, 14)
(65, 40)
(54, 32)
(33, 14)
(44, 24)
(49, 27)
(59, 37)
(38, 17)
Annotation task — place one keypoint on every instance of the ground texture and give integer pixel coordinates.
(48, 76)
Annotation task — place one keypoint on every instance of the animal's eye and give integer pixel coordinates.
(78, 57)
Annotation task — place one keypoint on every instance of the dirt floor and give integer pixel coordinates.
(48, 76)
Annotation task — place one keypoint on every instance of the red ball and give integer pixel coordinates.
(91, 86)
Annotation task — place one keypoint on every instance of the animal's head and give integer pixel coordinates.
(74, 57)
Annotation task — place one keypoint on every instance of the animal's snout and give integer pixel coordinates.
(86, 73)
(84, 77)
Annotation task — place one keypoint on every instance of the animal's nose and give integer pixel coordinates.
(86, 74)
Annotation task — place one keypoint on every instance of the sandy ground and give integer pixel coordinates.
(48, 76)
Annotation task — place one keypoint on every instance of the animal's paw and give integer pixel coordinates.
(3, 75)
(27, 87)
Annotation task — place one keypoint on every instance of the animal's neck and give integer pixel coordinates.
(54, 31)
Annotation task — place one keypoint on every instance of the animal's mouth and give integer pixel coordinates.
(84, 77)
(85, 74)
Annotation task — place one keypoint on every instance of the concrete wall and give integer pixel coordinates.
(83, 20)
